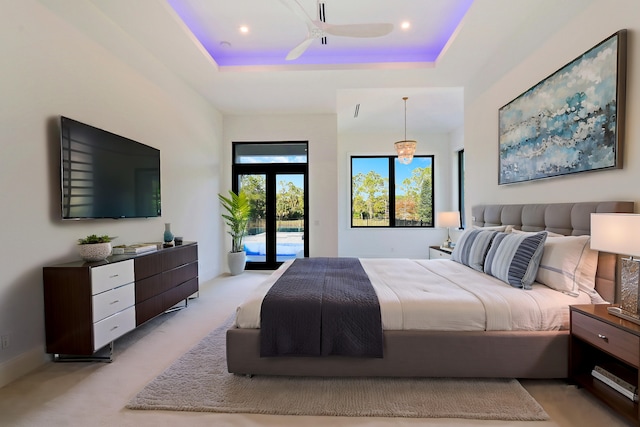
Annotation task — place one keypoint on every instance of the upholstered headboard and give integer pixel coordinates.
(571, 219)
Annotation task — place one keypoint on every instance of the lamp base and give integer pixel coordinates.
(624, 314)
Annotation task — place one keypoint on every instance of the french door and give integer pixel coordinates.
(277, 192)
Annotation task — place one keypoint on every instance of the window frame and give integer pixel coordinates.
(391, 192)
(461, 170)
(271, 170)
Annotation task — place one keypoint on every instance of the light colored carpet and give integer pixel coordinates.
(199, 381)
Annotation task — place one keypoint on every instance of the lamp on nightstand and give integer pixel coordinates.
(448, 219)
(620, 234)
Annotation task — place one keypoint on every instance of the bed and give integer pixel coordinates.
(464, 342)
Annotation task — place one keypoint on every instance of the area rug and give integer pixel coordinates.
(199, 381)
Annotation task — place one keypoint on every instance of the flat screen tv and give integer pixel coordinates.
(105, 175)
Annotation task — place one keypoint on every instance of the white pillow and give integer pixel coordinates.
(568, 265)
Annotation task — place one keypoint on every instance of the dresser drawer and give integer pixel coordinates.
(107, 303)
(113, 327)
(111, 276)
(177, 276)
(179, 256)
(614, 341)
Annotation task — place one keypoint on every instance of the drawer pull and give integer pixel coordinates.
(603, 337)
(113, 276)
(114, 328)
(114, 302)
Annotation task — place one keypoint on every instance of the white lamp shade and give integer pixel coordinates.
(448, 219)
(616, 233)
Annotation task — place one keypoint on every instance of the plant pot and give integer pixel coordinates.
(236, 261)
(95, 251)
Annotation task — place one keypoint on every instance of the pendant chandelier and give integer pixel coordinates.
(405, 148)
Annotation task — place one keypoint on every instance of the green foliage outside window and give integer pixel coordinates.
(377, 180)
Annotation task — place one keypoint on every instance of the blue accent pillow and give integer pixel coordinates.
(515, 258)
(472, 247)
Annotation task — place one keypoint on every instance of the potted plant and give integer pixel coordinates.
(94, 248)
(238, 211)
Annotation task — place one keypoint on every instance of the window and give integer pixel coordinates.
(386, 193)
(269, 153)
(461, 187)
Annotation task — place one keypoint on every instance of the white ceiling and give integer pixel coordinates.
(274, 27)
(435, 89)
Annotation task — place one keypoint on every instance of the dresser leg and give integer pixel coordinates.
(176, 308)
(93, 358)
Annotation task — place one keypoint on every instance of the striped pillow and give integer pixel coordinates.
(514, 258)
(472, 246)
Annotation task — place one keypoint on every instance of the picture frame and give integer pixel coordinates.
(570, 122)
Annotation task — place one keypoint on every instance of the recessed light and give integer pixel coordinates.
(405, 25)
(244, 29)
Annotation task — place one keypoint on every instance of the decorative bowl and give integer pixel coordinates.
(94, 251)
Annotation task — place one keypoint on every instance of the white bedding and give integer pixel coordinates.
(444, 295)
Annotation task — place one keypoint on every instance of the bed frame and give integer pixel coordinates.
(492, 354)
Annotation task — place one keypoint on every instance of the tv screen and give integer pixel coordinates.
(105, 175)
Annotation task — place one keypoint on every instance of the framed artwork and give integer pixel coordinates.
(570, 122)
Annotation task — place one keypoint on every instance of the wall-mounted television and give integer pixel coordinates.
(104, 175)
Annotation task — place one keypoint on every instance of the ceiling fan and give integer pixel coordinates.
(318, 29)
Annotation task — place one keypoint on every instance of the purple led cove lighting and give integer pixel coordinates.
(337, 51)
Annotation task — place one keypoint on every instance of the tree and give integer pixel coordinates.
(425, 203)
(416, 202)
(255, 187)
(372, 187)
(406, 208)
(359, 207)
(289, 201)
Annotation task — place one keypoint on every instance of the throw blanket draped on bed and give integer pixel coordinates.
(319, 307)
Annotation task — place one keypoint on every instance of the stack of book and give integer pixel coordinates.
(134, 249)
(615, 381)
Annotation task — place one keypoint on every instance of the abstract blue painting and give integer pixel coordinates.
(572, 121)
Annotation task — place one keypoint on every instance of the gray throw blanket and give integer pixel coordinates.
(320, 307)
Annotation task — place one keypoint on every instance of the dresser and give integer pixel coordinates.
(601, 339)
(90, 304)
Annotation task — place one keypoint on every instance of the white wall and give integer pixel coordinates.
(50, 69)
(391, 242)
(596, 23)
(321, 133)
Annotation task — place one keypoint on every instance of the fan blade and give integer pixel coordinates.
(296, 8)
(299, 50)
(358, 30)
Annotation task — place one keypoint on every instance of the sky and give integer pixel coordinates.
(380, 164)
(296, 179)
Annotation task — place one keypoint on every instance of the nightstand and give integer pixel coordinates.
(436, 252)
(599, 338)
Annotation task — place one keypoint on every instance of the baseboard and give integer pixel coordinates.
(21, 365)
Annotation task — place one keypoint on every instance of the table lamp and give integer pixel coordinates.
(620, 234)
(448, 219)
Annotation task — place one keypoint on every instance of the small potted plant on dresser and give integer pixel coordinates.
(238, 211)
(94, 248)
